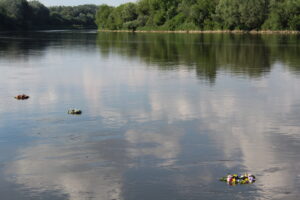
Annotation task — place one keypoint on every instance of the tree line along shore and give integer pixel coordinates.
(33, 15)
(193, 16)
(201, 15)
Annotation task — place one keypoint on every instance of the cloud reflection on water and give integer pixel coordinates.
(167, 127)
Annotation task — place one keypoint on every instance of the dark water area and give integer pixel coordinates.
(164, 115)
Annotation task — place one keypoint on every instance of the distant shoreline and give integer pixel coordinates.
(283, 32)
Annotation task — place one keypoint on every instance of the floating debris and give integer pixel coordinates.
(234, 179)
(22, 97)
(74, 112)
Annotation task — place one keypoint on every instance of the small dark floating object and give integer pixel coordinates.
(234, 179)
(22, 97)
(74, 112)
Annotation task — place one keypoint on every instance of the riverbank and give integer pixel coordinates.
(207, 31)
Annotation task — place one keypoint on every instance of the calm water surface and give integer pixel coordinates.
(164, 116)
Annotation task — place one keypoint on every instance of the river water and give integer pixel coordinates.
(164, 115)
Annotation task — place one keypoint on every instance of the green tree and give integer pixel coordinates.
(83, 15)
(252, 13)
(18, 10)
(129, 12)
(5, 21)
(202, 13)
(293, 10)
(115, 21)
(143, 7)
(242, 14)
(227, 14)
(39, 13)
(283, 14)
(102, 16)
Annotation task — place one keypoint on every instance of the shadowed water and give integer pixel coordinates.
(164, 115)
